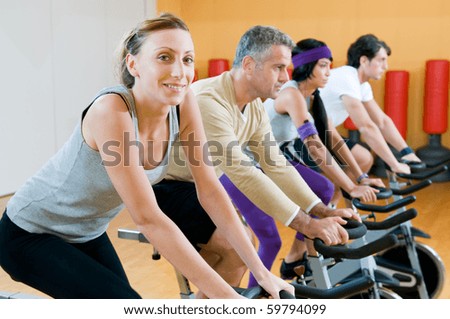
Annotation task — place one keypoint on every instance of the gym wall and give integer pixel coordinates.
(56, 56)
(415, 30)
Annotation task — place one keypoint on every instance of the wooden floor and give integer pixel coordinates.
(156, 279)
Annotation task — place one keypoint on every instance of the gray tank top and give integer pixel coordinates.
(283, 128)
(72, 196)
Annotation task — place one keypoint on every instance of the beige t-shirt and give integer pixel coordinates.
(277, 188)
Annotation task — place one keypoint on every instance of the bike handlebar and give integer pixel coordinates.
(384, 193)
(445, 161)
(392, 221)
(411, 189)
(343, 252)
(415, 166)
(355, 229)
(384, 208)
(257, 292)
(424, 174)
(344, 290)
(285, 295)
(302, 291)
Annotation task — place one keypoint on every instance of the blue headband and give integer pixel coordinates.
(315, 54)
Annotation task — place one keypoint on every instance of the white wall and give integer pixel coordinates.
(56, 54)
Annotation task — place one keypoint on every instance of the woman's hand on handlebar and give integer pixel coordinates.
(273, 284)
(372, 182)
(365, 193)
(412, 157)
(401, 168)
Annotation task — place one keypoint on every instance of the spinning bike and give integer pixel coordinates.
(409, 268)
(417, 267)
(351, 287)
(356, 259)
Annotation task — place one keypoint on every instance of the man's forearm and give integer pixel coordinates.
(375, 139)
(300, 222)
(320, 210)
(392, 135)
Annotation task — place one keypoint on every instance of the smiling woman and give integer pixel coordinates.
(53, 232)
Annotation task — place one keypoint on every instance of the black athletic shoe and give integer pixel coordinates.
(295, 269)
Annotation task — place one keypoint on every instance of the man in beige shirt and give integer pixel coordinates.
(237, 126)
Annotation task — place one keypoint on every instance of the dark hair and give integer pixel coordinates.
(257, 43)
(366, 45)
(133, 40)
(303, 72)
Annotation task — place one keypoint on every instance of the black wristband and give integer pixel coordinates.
(407, 150)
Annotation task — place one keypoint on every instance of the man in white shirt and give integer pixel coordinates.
(348, 93)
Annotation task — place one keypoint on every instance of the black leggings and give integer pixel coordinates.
(179, 201)
(60, 269)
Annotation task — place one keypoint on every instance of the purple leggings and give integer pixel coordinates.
(263, 225)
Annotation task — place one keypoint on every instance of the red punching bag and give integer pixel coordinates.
(396, 98)
(435, 116)
(353, 133)
(195, 76)
(289, 71)
(436, 97)
(217, 66)
(349, 125)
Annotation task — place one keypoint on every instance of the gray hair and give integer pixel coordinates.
(257, 43)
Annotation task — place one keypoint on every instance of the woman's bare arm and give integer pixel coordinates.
(112, 121)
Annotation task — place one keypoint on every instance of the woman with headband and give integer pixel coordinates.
(301, 127)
